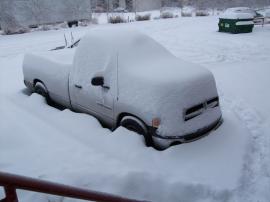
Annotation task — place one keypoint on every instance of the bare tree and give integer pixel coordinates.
(129, 5)
(75, 10)
(8, 21)
(40, 11)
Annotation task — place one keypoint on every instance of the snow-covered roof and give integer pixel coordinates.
(245, 23)
(238, 9)
(137, 53)
(239, 13)
(232, 15)
(148, 75)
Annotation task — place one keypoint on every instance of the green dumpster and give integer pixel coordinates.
(236, 23)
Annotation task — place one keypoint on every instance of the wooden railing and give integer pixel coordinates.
(12, 182)
(262, 21)
(259, 21)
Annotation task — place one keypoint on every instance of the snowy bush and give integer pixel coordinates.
(20, 30)
(85, 23)
(9, 23)
(12, 27)
(143, 17)
(166, 14)
(45, 27)
(186, 14)
(202, 13)
(62, 25)
(116, 19)
(94, 21)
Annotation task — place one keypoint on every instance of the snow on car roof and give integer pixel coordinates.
(138, 54)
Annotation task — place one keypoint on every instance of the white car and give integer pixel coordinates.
(264, 12)
(125, 78)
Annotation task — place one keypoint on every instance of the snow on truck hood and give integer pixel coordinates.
(151, 79)
(166, 90)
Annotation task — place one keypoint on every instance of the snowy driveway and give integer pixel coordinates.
(231, 164)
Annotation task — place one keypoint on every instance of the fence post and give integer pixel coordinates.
(11, 195)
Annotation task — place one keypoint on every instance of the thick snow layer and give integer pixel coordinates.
(231, 164)
(239, 13)
(148, 75)
(64, 56)
(53, 69)
(233, 15)
(245, 23)
(238, 9)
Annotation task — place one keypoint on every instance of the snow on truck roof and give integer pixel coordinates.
(137, 53)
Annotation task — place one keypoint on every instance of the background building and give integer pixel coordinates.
(24, 13)
(130, 5)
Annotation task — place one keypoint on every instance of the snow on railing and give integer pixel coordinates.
(11, 182)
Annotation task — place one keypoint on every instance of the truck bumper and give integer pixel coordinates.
(167, 141)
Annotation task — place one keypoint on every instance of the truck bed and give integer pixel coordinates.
(52, 69)
(64, 56)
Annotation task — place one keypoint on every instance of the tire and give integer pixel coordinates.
(41, 89)
(134, 124)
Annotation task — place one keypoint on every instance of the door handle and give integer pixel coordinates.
(106, 87)
(78, 86)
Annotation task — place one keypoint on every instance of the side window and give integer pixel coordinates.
(91, 58)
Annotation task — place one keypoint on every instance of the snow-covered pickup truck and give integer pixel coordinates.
(125, 78)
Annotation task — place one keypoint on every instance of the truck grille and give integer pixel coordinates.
(196, 110)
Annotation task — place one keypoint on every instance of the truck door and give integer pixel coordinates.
(95, 100)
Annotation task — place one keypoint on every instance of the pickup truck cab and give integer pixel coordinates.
(125, 78)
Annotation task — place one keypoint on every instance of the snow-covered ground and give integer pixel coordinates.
(231, 164)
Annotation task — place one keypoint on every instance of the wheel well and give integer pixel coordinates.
(37, 80)
(146, 130)
(122, 115)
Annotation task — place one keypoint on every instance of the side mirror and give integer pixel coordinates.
(97, 81)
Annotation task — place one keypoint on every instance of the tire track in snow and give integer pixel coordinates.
(256, 174)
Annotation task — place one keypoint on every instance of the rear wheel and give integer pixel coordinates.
(42, 90)
(134, 124)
